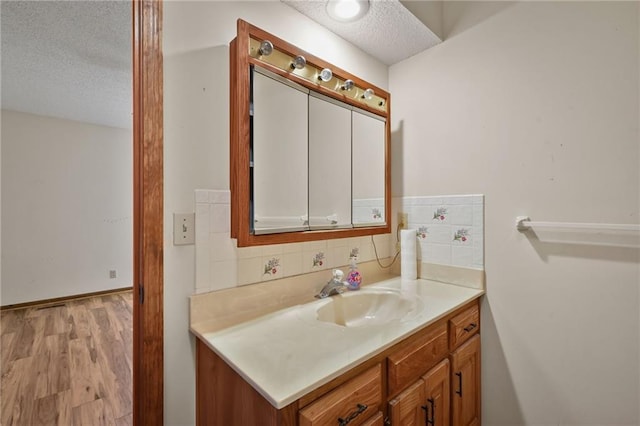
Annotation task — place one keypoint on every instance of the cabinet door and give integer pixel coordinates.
(437, 394)
(375, 420)
(280, 155)
(465, 383)
(329, 164)
(369, 166)
(406, 409)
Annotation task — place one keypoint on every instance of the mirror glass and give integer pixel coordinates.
(279, 155)
(329, 163)
(316, 163)
(368, 169)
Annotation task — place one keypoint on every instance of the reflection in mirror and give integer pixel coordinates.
(329, 163)
(279, 155)
(368, 165)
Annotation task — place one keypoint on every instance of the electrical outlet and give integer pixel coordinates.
(113, 274)
(403, 220)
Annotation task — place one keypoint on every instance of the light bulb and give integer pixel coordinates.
(348, 85)
(368, 94)
(266, 47)
(347, 10)
(299, 62)
(325, 75)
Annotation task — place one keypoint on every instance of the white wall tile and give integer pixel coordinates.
(224, 274)
(436, 253)
(249, 252)
(314, 246)
(462, 256)
(291, 248)
(292, 264)
(478, 215)
(202, 272)
(441, 234)
(461, 215)
(220, 218)
(202, 196)
(250, 270)
(338, 256)
(219, 197)
(272, 250)
(222, 247)
(202, 222)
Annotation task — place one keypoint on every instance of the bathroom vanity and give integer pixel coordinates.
(298, 367)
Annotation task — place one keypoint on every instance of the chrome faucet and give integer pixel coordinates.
(334, 286)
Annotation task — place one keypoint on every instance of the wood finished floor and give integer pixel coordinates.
(69, 364)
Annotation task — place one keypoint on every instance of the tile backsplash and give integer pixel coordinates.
(450, 229)
(221, 264)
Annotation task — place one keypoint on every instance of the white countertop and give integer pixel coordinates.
(286, 354)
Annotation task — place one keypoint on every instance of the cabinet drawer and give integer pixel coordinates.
(345, 401)
(376, 420)
(408, 364)
(463, 326)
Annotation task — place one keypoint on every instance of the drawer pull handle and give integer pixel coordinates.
(459, 391)
(470, 327)
(430, 421)
(360, 410)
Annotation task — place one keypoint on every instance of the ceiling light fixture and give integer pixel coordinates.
(347, 10)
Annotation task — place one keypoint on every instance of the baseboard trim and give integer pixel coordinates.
(57, 300)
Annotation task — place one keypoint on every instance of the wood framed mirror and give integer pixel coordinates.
(324, 174)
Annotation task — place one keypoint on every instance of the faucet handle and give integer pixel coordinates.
(338, 274)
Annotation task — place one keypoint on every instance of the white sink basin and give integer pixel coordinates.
(369, 307)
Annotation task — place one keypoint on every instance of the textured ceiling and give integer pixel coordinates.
(388, 32)
(68, 59)
(72, 59)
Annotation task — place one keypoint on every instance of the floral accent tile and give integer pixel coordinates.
(461, 235)
(422, 232)
(440, 214)
(449, 228)
(318, 259)
(376, 213)
(271, 267)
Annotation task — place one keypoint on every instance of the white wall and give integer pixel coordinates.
(535, 104)
(196, 139)
(66, 207)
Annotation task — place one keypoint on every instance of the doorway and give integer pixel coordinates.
(147, 212)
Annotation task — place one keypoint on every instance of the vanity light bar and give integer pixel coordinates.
(311, 73)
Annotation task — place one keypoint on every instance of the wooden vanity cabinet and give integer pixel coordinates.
(431, 378)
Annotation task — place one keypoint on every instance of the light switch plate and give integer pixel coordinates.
(184, 229)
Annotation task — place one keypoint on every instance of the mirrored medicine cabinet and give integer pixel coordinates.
(310, 149)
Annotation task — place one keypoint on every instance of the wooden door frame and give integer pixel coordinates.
(148, 324)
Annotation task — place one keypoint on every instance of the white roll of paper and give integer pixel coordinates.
(408, 254)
